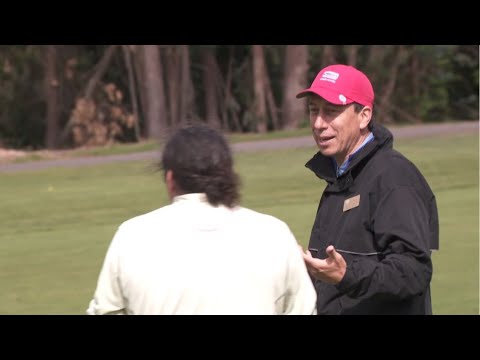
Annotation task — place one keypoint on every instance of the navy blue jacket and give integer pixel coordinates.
(386, 239)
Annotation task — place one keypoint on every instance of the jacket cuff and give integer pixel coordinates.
(348, 281)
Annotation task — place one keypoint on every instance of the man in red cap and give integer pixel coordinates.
(377, 221)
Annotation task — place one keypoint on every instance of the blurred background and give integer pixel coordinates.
(64, 96)
(70, 113)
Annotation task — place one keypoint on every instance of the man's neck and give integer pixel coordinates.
(340, 168)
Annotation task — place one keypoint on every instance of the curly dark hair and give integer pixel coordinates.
(201, 162)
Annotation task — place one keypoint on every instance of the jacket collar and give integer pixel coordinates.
(322, 165)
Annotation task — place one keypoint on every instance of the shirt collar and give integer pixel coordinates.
(339, 170)
(196, 197)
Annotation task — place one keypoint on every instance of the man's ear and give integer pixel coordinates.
(365, 117)
(171, 187)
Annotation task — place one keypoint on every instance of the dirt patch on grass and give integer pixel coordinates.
(15, 156)
(7, 155)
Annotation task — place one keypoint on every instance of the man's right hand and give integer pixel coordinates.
(330, 270)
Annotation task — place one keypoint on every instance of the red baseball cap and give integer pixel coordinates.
(341, 85)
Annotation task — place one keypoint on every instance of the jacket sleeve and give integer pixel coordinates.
(402, 233)
(300, 297)
(108, 298)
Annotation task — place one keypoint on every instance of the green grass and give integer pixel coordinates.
(452, 167)
(57, 223)
(148, 145)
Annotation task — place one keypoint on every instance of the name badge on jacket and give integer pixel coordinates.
(351, 203)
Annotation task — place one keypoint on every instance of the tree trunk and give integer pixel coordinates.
(260, 108)
(186, 94)
(417, 74)
(210, 85)
(52, 93)
(132, 89)
(99, 71)
(138, 65)
(271, 105)
(230, 104)
(173, 80)
(153, 77)
(352, 52)
(295, 79)
(383, 114)
(375, 61)
(329, 55)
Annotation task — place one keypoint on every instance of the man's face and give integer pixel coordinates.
(337, 129)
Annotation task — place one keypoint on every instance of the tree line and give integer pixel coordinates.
(63, 96)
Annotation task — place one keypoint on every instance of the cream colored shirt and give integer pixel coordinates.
(192, 258)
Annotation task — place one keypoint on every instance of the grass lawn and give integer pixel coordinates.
(57, 223)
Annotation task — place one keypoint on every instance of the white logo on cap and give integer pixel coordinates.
(330, 76)
(343, 99)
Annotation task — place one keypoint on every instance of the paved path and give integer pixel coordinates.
(304, 141)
